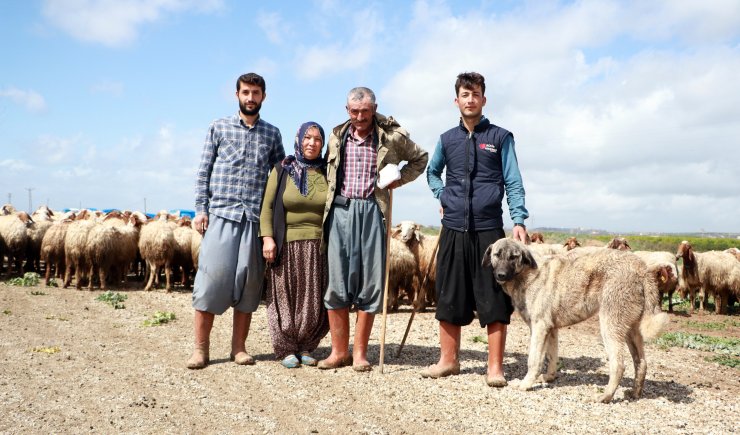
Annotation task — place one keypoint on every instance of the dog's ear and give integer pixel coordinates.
(487, 257)
(528, 258)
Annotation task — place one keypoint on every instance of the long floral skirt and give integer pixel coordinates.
(296, 315)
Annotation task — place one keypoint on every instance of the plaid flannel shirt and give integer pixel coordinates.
(360, 165)
(234, 166)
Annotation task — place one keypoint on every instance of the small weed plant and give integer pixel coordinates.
(159, 318)
(725, 360)
(29, 279)
(479, 339)
(114, 299)
(727, 346)
(37, 293)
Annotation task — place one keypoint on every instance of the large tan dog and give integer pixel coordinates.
(557, 291)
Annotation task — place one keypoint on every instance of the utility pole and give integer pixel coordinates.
(30, 203)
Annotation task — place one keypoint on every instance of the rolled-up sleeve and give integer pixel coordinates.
(205, 168)
(434, 170)
(513, 182)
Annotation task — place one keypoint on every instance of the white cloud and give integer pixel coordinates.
(272, 24)
(109, 87)
(30, 100)
(15, 165)
(114, 22)
(615, 142)
(317, 60)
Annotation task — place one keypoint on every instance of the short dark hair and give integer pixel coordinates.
(469, 80)
(252, 79)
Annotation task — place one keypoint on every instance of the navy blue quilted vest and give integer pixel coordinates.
(474, 185)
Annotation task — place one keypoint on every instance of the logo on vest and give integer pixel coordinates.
(491, 148)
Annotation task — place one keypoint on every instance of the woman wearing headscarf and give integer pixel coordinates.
(290, 226)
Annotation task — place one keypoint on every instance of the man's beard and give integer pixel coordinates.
(243, 108)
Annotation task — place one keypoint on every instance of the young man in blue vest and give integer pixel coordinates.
(481, 166)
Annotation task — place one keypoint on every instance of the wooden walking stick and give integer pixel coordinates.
(419, 294)
(387, 271)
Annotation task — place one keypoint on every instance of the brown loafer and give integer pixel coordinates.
(199, 359)
(435, 372)
(362, 367)
(326, 365)
(496, 381)
(242, 358)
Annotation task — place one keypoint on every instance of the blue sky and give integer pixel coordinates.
(625, 114)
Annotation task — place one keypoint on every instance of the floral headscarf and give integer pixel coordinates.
(297, 165)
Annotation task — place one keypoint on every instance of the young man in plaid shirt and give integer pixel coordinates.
(237, 155)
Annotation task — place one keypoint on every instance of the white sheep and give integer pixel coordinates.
(52, 248)
(401, 274)
(422, 246)
(716, 272)
(14, 235)
(75, 249)
(42, 221)
(157, 246)
(183, 260)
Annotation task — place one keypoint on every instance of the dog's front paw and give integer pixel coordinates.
(603, 398)
(546, 378)
(525, 384)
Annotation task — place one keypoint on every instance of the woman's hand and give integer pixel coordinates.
(269, 249)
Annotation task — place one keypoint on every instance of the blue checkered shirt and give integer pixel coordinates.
(234, 166)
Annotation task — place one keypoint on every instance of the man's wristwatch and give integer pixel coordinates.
(520, 225)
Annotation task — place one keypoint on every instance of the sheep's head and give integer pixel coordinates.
(619, 243)
(7, 210)
(183, 221)
(537, 237)
(25, 218)
(571, 243)
(408, 230)
(685, 251)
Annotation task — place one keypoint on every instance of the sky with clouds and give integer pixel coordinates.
(626, 114)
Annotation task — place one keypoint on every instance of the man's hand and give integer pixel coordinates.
(519, 233)
(200, 223)
(269, 249)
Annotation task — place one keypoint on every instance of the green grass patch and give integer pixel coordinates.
(479, 339)
(29, 279)
(725, 360)
(37, 293)
(53, 283)
(730, 346)
(159, 318)
(7, 312)
(710, 326)
(114, 299)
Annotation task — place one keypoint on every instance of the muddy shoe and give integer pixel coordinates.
(242, 359)
(435, 372)
(326, 365)
(199, 359)
(497, 381)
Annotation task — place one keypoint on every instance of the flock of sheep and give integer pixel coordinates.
(712, 273)
(98, 249)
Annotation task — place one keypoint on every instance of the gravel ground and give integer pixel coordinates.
(112, 374)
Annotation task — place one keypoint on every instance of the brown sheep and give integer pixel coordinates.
(619, 243)
(536, 237)
(662, 265)
(718, 273)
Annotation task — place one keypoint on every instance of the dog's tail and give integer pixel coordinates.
(653, 318)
